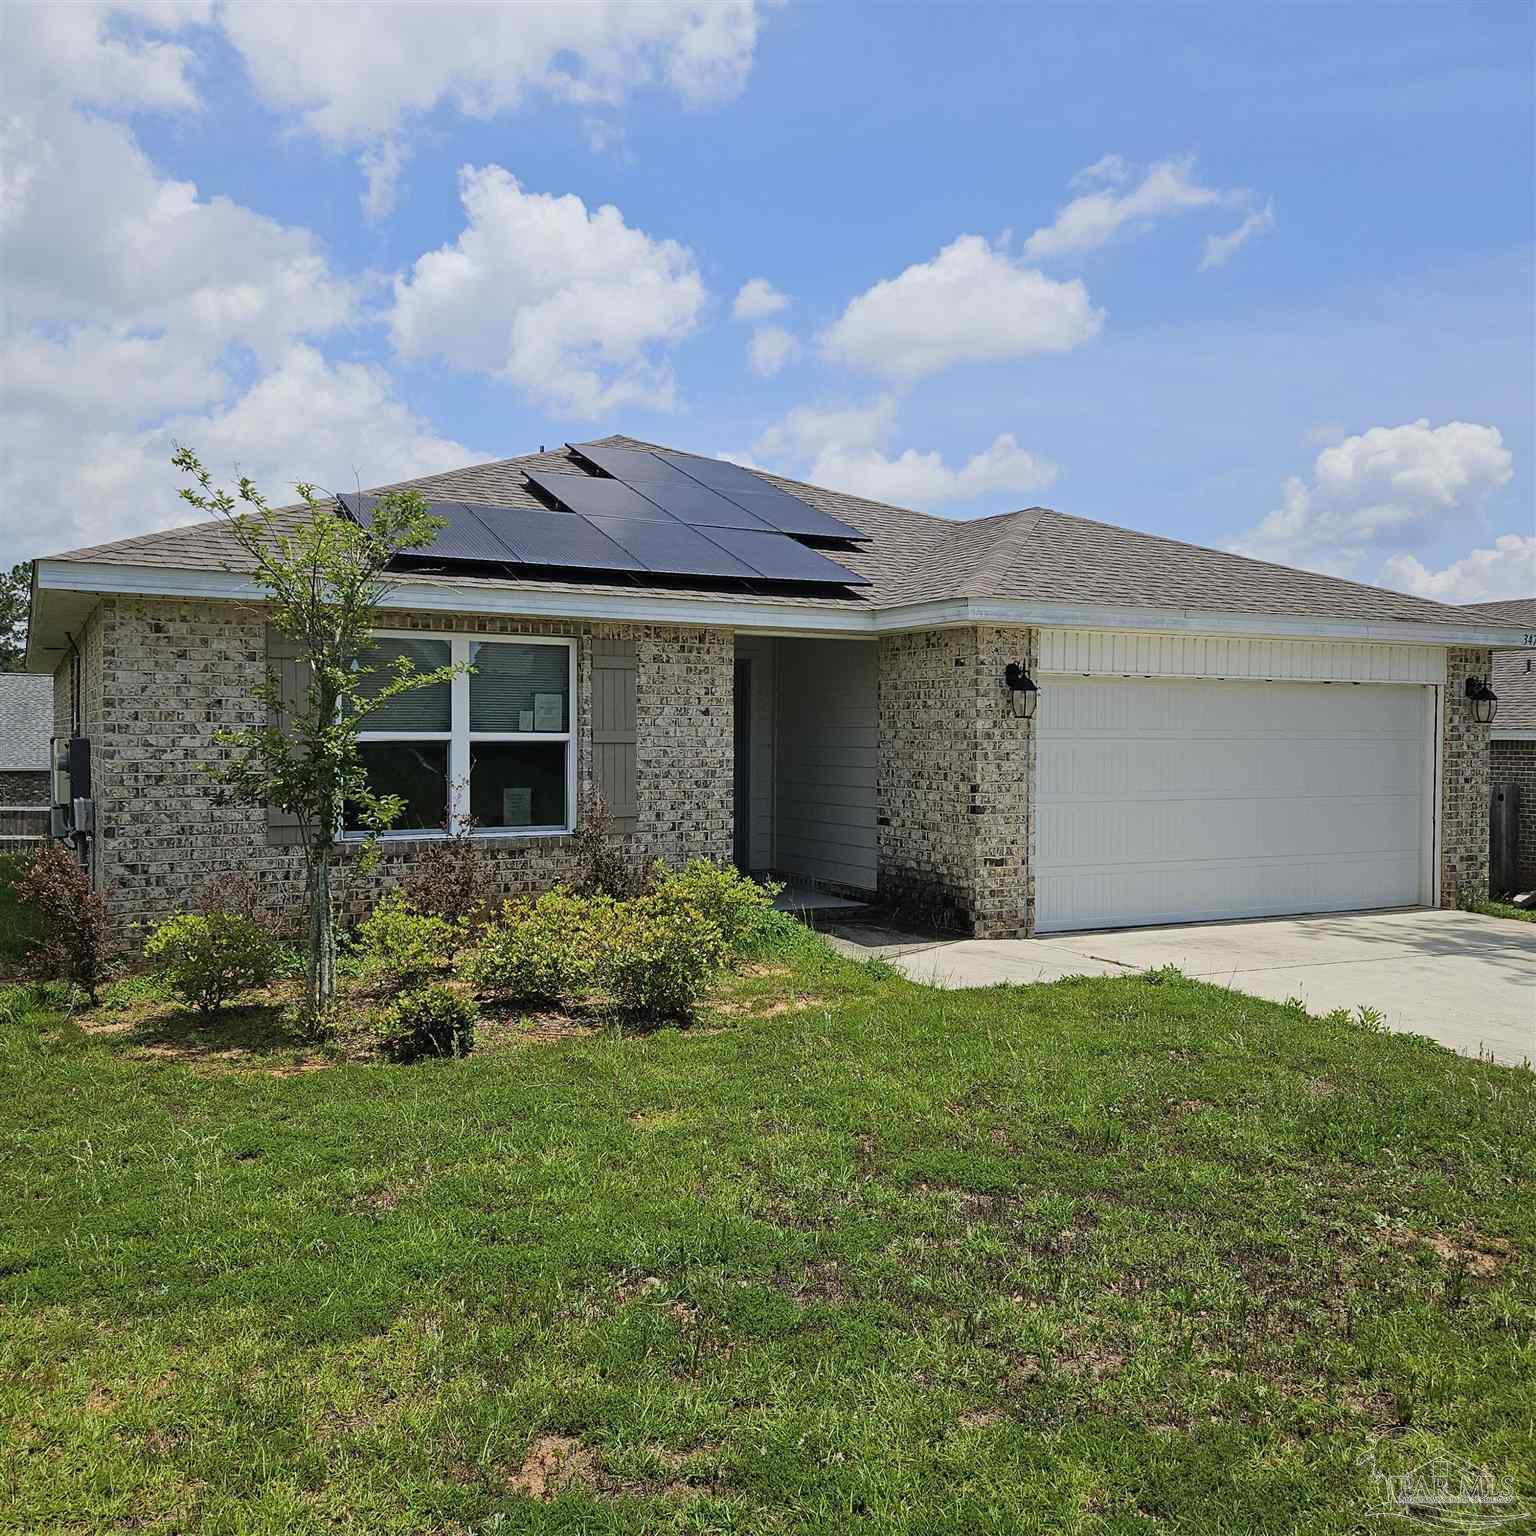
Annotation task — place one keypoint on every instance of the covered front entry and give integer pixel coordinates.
(1172, 800)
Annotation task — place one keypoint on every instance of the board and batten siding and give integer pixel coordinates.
(1098, 652)
(828, 742)
(760, 652)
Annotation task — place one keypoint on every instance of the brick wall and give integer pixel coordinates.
(24, 787)
(1514, 762)
(161, 675)
(954, 776)
(1464, 782)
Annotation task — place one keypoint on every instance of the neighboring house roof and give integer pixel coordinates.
(26, 721)
(1035, 556)
(1514, 672)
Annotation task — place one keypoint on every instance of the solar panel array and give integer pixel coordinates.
(645, 513)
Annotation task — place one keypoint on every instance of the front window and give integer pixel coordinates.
(494, 746)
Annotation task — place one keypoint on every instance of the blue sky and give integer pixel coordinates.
(1252, 276)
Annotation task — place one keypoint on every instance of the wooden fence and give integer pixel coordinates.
(22, 827)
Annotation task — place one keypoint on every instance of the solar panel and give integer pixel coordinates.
(557, 538)
(673, 493)
(778, 509)
(670, 549)
(777, 557)
(467, 537)
(633, 465)
(596, 497)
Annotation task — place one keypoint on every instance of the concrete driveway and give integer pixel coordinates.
(1465, 980)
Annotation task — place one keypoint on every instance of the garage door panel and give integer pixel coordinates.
(1165, 801)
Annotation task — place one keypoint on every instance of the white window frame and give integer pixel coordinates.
(460, 738)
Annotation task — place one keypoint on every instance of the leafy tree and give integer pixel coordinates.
(15, 594)
(325, 577)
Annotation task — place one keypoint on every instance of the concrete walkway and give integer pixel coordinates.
(1465, 980)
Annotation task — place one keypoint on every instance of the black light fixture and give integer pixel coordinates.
(1022, 690)
(1485, 702)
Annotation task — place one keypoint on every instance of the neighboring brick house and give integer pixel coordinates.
(1215, 736)
(26, 721)
(1512, 740)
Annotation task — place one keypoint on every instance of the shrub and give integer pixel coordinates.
(453, 878)
(735, 904)
(605, 865)
(661, 955)
(541, 950)
(18, 923)
(71, 934)
(400, 948)
(427, 1021)
(208, 958)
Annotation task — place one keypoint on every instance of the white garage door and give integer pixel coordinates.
(1175, 801)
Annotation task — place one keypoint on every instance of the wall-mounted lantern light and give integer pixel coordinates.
(1485, 702)
(1022, 690)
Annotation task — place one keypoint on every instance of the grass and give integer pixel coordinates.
(1108, 1255)
(1504, 909)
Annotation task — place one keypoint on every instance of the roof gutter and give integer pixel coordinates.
(758, 615)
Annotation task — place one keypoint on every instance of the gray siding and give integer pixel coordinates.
(828, 727)
(761, 653)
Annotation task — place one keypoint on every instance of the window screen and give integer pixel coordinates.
(519, 687)
(421, 709)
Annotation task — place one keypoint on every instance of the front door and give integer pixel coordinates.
(742, 846)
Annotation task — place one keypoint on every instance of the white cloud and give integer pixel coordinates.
(1383, 492)
(758, 299)
(846, 449)
(1220, 248)
(356, 74)
(117, 55)
(771, 349)
(1484, 576)
(571, 305)
(137, 309)
(971, 303)
(1107, 170)
(1091, 219)
(92, 474)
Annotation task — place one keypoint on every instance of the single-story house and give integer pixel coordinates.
(1512, 738)
(1021, 723)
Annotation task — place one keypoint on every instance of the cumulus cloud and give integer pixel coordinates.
(1101, 209)
(1383, 493)
(355, 75)
(1484, 576)
(970, 303)
(570, 304)
(137, 308)
(1221, 248)
(758, 299)
(771, 349)
(848, 449)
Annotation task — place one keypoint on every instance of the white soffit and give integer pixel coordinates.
(1111, 653)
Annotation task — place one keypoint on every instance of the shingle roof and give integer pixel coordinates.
(1514, 672)
(912, 556)
(26, 721)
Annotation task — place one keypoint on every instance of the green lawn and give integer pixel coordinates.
(1110, 1255)
(1504, 909)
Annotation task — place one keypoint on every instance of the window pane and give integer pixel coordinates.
(422, 709)
(519, 687)
(415, 770)
(517, 783)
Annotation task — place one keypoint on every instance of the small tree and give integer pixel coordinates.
(325, 577)
(15, 595)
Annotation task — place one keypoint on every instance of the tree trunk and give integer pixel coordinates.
(322, 936)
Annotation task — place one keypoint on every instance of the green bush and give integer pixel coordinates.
(208, 957)
(661, 955)
(540, 950)
(735, 904)
(428, 1021)
(400, 948)
(19, 924)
